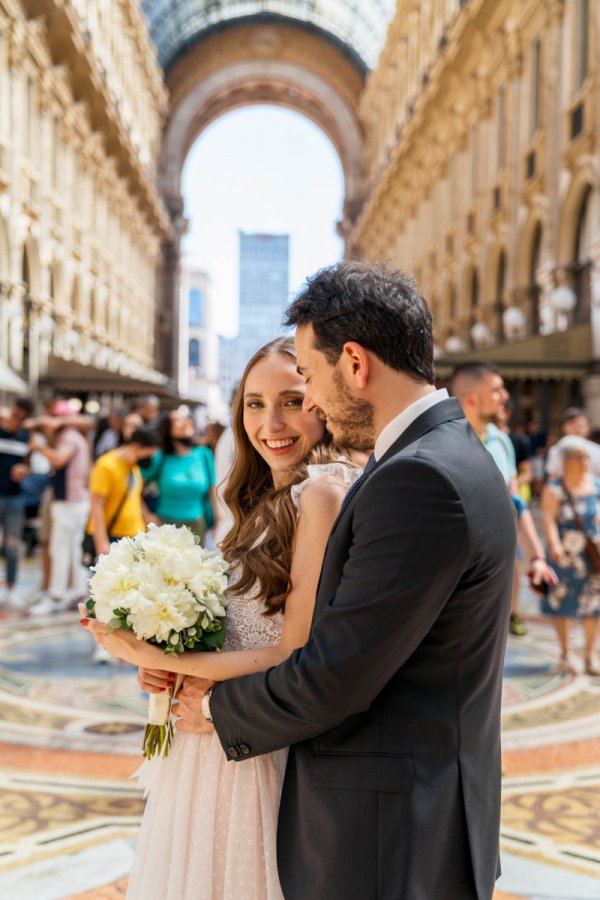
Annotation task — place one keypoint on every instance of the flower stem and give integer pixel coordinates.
(157, 740)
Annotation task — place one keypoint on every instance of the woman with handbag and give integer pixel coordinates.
(182, 476)
(570, 512)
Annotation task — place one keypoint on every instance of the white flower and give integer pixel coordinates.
(158, 539)
(164, 580)
(170, 610)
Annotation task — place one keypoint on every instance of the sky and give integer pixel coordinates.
(260, 169)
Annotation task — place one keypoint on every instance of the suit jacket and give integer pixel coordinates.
(392, 708)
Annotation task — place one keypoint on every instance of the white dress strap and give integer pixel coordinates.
(338, 472)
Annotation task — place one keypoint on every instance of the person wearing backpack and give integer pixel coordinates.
(116, 492)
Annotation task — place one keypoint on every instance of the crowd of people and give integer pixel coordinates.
(86, 482)
(564, 476)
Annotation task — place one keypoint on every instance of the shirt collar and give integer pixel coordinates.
(397, 426)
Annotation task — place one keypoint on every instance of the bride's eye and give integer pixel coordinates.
(254, 404)
(296, 402)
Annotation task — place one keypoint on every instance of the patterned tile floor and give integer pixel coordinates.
(70, 736)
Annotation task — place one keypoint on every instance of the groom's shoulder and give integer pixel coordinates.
(451, 448)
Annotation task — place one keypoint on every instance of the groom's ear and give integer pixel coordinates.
(354, 362)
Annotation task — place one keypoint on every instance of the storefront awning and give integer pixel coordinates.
(70, 376)
(561, 356)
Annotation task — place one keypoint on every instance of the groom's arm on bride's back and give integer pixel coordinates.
(403, 564)
(319, 505)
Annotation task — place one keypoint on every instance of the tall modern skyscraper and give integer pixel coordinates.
(264, 278)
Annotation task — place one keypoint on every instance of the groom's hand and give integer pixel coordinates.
(188, 708)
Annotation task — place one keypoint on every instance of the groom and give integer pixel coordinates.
(392, 708)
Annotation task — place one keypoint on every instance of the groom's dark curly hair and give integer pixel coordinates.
(379, 309)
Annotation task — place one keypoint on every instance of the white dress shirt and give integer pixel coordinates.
(397, 426)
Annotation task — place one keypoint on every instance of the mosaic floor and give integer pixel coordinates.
(70, 737)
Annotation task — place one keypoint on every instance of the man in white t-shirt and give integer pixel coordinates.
(479, 387)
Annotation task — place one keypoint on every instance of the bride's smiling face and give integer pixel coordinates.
(278, 428)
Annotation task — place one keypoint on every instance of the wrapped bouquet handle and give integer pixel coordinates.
(158, 735)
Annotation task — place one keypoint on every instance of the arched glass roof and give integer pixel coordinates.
(360, 25)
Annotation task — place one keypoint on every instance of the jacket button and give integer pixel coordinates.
(232, 752)
(244, 749)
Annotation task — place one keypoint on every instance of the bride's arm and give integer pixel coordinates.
(319, 505)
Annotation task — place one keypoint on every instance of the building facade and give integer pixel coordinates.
(82, 102)
(483, 179)
(263, 297)
(199, 347)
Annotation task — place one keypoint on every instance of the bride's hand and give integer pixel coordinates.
(123, 644)
(155, 681)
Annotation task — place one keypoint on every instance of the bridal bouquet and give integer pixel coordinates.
(169, 591)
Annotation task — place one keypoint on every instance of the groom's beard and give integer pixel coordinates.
(351, 421)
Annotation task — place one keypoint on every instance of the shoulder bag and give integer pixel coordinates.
(591, 549)
(88, 547)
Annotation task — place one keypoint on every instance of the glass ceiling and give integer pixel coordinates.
(360, 25)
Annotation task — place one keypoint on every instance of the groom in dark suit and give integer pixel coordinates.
(392, 708)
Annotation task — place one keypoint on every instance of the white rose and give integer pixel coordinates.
(171, 610)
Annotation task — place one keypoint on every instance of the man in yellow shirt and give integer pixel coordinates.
(116, 490)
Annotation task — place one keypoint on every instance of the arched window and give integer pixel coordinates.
(26, 276)
(533, 290)
(195, 307)
(194, 354)
(500, 287)
(474, 289)
(473, 301)
(580, 265)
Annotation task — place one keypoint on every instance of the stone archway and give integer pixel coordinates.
(243, 65)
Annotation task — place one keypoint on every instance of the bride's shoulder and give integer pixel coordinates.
(326, 484)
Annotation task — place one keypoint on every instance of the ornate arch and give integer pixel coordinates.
(585, 179)
(489, 285)
(253, 64)
(531, 231)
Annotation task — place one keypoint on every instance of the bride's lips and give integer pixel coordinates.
(281, 451)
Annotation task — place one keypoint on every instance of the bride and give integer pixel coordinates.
(209, 829)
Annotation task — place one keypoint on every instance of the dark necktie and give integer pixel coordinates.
(354, 487)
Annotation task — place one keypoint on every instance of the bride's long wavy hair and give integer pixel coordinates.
(259, 544)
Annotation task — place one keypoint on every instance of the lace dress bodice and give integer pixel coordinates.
(246, 626)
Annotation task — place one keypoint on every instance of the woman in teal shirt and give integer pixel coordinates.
(184, 476)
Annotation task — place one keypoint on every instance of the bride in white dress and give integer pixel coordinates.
(209, 829)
